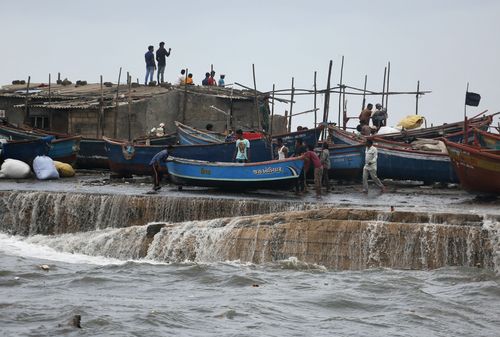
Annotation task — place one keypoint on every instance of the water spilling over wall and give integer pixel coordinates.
(335, 238)
(30, 213)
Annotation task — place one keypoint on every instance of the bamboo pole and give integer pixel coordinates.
(387, 87)
(344, 109)
(26, 110)
(327, 97)
(364, 94)
(291, 108)
(256, 100)
(315, 111)
(340, 95)
(271, 124)
(272, 113)
(129, 80)
(101, 114)
(465, 102)
(417, 97)
(115, 122)
(383, 86)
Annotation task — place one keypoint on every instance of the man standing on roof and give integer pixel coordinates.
(370, 167)
(211, 79)
(205, 80)
(161, 57)
(242, 153)
(150, 65)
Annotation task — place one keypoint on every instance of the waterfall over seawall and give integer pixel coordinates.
(332, 237)
(30, 213)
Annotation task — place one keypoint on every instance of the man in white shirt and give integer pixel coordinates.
(370, 167)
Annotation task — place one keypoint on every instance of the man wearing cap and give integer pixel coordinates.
(379, 117)
(161, 55)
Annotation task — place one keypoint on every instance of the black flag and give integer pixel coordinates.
(472, 99)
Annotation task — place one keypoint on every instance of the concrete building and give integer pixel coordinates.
(92, 111)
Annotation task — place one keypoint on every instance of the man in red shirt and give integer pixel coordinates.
(311, 157)
(211, 79)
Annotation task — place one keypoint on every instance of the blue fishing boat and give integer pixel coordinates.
(275, 174)
(26, 150)
(191, 136)
(127, 158)
(63, 148)
(400, 161)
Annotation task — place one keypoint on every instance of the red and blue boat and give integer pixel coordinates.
(477, 167)
(274, 174)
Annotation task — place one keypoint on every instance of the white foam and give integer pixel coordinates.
(17, 246)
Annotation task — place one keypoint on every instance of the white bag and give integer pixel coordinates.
(14, 169)
(45, 168)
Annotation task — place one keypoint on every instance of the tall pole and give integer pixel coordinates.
(256, 99)
(315, 109)
(291, 107)
(364, 93)
(129, 80)
(272, 113)
(417, 96)
(101, 112)
(115, 122)
(383, 86)
(327, 96)
(465, 105)
(340, 91)
(387, 87)
(271, 124)
(344, 109)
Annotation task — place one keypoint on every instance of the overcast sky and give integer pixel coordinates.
(444, 44)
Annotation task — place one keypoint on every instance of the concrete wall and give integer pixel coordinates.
(191, 108)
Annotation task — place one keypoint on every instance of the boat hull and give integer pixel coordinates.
(274, 174)
(92, 154)
(346, 161)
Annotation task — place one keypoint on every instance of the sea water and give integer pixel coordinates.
(119, 297)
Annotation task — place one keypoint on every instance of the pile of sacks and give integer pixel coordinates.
(44, 168)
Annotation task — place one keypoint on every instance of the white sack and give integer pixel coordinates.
(45, 168)
(14, 169)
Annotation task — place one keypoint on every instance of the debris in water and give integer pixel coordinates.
(255, 285)
(77, 319)
(44, 267)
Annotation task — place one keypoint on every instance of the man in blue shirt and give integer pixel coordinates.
(150, 65)
(155, 163)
